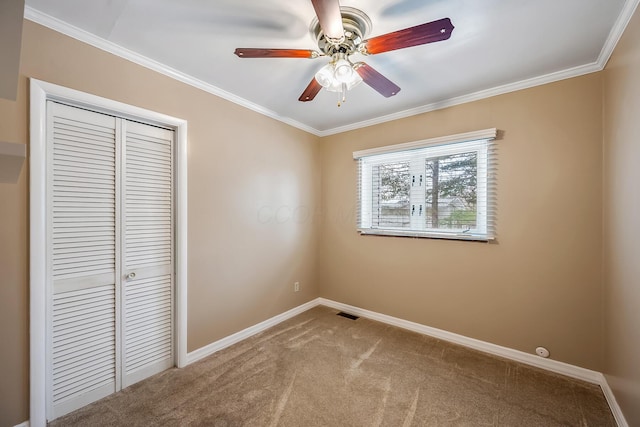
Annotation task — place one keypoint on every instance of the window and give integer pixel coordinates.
(440, 188)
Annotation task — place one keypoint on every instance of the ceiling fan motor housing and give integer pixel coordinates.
(357, 26)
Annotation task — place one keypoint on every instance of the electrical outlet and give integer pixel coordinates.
(296, 286)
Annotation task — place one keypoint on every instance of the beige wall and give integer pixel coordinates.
(14, 274)
(622, 221)
(11, 12)
(540, 284)
(254, 187)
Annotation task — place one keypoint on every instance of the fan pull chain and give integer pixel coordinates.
(343, 95)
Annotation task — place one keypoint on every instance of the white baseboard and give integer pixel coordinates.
(509, 353)
(613, 403)
(497, 350)
(572, 371)
(225, 342)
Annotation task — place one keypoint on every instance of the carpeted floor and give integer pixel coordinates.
(320, 369)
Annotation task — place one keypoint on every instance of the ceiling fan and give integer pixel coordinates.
(340, 32)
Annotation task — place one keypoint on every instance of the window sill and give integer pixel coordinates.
(425, 235)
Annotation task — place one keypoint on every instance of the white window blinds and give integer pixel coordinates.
(440, 188)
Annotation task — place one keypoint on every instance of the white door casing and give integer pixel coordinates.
(40, 222)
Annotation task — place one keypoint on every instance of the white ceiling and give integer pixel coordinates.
(497, 46)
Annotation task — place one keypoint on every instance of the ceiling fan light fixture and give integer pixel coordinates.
(343, 71)
(327, 79)
(324, 76)
(354, 80)
(338, 75)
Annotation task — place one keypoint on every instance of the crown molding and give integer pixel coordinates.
(616, 32)
(108, 46)
(60, 26)
(607, 50)
(476, 96)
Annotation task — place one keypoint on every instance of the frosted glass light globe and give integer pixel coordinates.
(344, 71)
(324, 76)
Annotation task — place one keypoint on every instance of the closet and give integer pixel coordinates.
(110, 254)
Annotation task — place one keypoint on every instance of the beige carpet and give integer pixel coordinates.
(320, 369)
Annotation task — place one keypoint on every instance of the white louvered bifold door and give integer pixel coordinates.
(147, 252)
(109, 255)
(82, 258)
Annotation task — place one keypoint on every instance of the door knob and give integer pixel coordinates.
(131, 275)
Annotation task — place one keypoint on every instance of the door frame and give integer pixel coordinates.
(41, 92)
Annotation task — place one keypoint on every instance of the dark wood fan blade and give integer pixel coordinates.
(330, 18)
(420, 34)
(311, 91)
(250, 52)
(377, 81)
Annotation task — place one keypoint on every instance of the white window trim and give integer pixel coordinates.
(403, 152)
(41, 92)
(488, 134)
